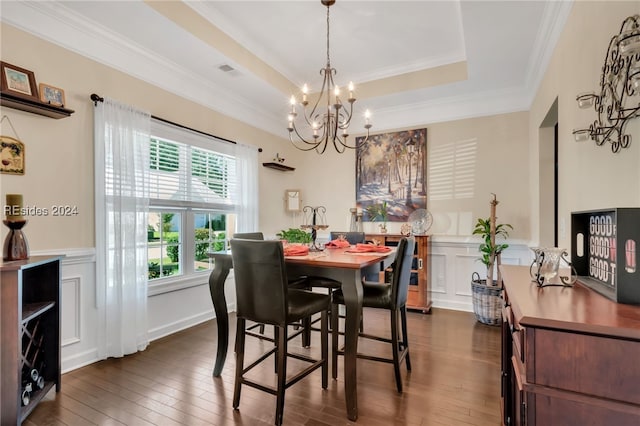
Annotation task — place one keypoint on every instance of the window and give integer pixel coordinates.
(192, 203)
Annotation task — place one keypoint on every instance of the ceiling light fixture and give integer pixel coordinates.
(329, 119)
(619, 98)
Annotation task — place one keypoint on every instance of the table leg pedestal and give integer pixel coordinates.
(216, 287)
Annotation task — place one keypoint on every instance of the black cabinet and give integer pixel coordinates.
(30, 331)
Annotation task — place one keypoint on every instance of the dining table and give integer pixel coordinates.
(342, 264)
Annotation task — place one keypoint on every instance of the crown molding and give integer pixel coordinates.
(554, 18)
(55, 23)
(479, 104)
(60, 25)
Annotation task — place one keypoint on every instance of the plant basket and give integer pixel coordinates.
(487, 305)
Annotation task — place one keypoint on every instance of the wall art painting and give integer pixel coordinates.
(391, 168)
(11, 156)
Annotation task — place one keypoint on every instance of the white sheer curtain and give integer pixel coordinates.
(247, 179)
(122, 206)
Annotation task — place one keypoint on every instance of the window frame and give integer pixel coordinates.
(189, 277)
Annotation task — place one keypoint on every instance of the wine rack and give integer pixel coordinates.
(30, 328)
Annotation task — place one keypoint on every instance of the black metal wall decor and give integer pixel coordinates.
(619, 98)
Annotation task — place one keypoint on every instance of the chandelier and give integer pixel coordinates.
(329, 119)
(619, 98)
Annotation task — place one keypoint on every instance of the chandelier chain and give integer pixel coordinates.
(319, 128)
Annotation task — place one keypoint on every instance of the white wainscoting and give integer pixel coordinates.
(168, 312)
(451, 264)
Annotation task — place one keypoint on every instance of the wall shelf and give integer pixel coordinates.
(278, 166)
(36, 107)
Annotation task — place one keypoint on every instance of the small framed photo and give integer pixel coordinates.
(18, 81)
(292, 200)
(51, 95)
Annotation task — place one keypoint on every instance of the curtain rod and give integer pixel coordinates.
(96, 98)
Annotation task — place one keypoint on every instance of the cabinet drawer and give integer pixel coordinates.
(517, 332)
(566, 361)
(553, 410)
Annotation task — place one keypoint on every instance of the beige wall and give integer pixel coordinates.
(59, 153)
(501, 168)
(590, 177)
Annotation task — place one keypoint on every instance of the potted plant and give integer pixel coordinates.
(486, 293)
(379, 213)
(294, 235)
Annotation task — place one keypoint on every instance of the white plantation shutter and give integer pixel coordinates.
(197, 172)
(452, 169)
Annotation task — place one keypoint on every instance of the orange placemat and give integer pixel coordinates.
(368, 248)
(296, 250)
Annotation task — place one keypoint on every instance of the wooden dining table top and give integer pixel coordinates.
(339, 258)
(331, 258)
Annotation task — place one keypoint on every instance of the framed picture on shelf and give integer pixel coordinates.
(51, 95)
(18, 81)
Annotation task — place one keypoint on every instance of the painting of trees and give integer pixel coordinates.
(391, 167)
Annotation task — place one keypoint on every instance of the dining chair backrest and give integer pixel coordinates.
(249, 235)
(401, 275)
(351, 236)
(261, 280)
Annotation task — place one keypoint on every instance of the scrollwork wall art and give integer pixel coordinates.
(619, 98)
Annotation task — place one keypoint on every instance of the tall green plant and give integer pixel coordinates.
(489, 248)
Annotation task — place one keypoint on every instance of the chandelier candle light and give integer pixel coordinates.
(329, 119)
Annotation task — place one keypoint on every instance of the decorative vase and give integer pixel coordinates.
(545, 269)
(15, 244)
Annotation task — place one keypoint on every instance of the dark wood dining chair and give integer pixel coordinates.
(391, 297)
(264, 296)
(297, 282)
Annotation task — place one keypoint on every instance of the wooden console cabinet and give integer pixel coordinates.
(570, 356)
(30, 333)
(419, 297)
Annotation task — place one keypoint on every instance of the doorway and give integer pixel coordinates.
(548, 178)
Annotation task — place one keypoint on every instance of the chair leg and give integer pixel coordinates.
(276, 337)
(334, 340)
(240, 339)
(306, 334)
(395, 341)
(324, 343)
(282, 373)
(405, 337)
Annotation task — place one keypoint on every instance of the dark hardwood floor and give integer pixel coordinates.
(455, 380)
